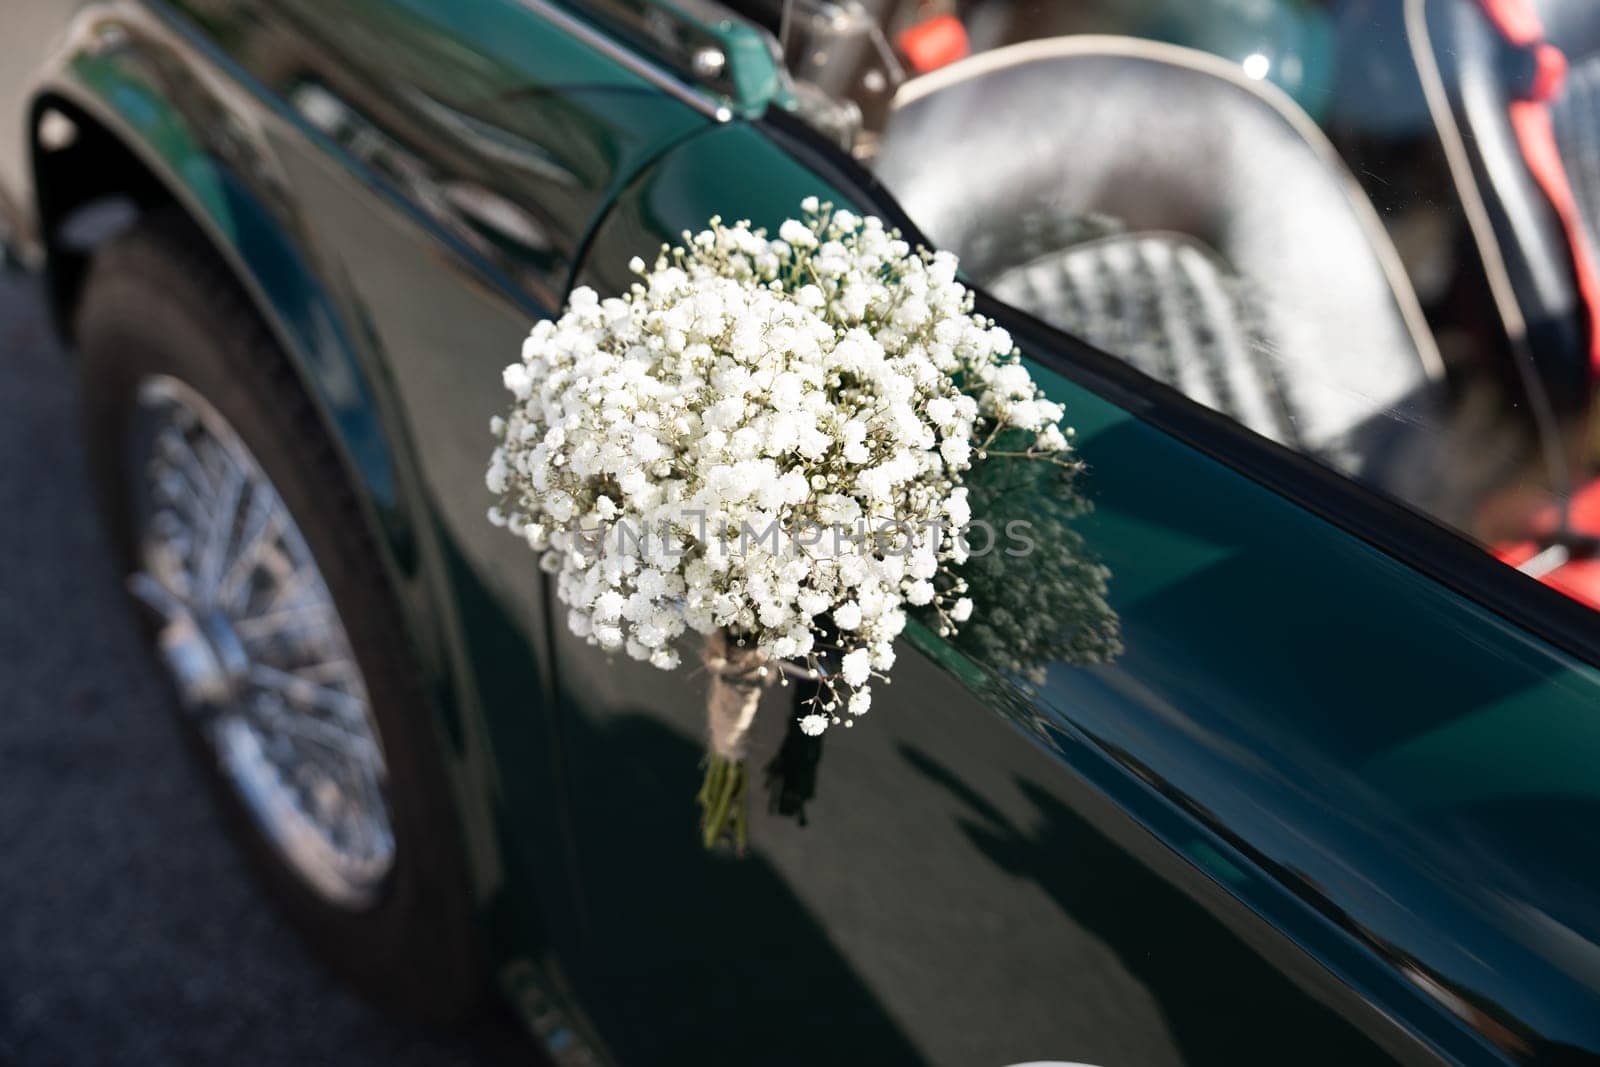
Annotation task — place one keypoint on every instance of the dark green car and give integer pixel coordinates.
(1284, 747)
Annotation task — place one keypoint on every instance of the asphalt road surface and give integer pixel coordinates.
(130, 929)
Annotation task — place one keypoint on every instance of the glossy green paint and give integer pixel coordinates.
(504, 134)
(1291, 699)
(674, 32)
(1351, 765)
(358, 223)
(137, 92)
(142, 91)
(447, 163)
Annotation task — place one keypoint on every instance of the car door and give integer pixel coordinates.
(1235, 772)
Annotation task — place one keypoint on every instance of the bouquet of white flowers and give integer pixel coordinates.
(763, 441)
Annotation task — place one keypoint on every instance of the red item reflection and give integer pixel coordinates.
(1517, 19)
(934, 43)
(1519, 22)
(1577, 578)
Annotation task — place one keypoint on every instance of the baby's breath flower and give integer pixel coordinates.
(767, 437)
(856, 667)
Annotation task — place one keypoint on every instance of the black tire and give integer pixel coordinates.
(159, 301)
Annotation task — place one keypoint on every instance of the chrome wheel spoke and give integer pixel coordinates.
(306, 694)
(321, 735)
(256, 648)
(181, 477)
(282, 621)
(156, 597)
(334, 672)
(290, 594)
(219, 532)
(259, 523)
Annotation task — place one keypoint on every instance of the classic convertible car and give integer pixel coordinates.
(1285, 749)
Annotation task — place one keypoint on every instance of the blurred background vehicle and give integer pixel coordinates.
(1282, 749)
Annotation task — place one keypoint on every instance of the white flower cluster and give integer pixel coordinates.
(766, 436)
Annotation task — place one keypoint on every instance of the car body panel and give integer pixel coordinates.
(1319, 793)
(1261, 641)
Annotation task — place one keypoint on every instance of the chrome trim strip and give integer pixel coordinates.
(651, 73)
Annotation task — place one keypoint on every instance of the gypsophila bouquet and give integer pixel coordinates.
(763, 442)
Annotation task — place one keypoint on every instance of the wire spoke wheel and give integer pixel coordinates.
(255, 646)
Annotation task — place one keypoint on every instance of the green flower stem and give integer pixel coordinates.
(724, 804)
